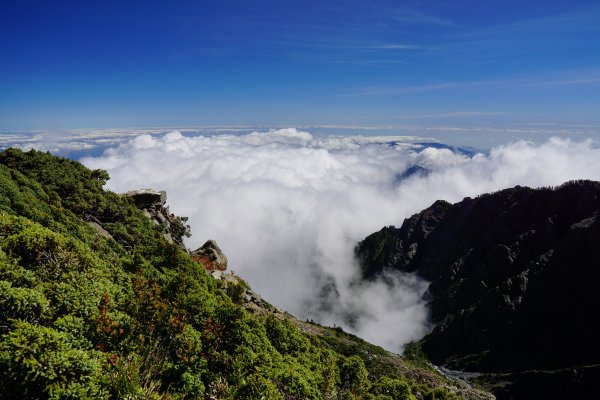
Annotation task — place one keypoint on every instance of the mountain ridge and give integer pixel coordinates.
(513, 277)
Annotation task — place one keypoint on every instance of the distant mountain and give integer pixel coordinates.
(420, 146)
(515, 278)
(465, 151)
(419, 170)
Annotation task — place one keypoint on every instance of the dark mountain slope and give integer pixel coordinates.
(514, 276)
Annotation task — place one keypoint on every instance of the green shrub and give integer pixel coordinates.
(395, 389)
(432, 393)
(236, 292)
(192, 385)
(257, 387)
(23, 304)
(285, 337)
(295, 381)
(354, 377)
(40, 361)
(77, 329)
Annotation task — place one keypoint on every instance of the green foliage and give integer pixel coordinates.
(133, 376)
(257, 387)
(41, 361)
(354, 377)
(180, 228)
(396, 389)
(21, 304)
(76, 187)
(294, 380)
(439, 393)
(77, 329)
(285, 336)
(236, 292)
(128, 315)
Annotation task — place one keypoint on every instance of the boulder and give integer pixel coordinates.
(211, 256)
(146, 198)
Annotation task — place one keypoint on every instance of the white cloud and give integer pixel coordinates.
(288, 208)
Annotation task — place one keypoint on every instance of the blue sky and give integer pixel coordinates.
(87, 64)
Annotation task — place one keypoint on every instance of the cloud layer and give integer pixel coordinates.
(288, 208)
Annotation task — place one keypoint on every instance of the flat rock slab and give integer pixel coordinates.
(146, 198)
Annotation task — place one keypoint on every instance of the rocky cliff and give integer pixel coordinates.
(514, 283)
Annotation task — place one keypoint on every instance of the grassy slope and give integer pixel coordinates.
(83, 315)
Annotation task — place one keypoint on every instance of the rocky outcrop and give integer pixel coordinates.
(147, 198)
(211, 256)
(152, 203)
(514, 277)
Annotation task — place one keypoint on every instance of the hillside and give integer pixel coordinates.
(100, 299)
(514, 286)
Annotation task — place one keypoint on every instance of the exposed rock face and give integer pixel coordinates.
(393, 248)
(514, 277)
(152, 204)
(146, 198)
(211, 256)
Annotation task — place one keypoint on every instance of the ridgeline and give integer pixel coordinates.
(514, 287)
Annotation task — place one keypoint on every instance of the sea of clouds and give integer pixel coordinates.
(288, 208)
